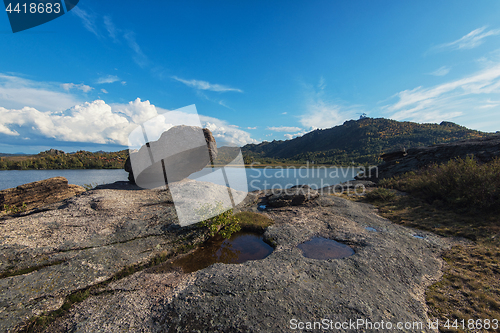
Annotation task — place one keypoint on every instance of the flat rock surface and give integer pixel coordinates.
(48, 253)
(384, 280)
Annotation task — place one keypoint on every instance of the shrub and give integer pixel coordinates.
(380, 194)
(462, 184)
(222, 222)
(14, 209)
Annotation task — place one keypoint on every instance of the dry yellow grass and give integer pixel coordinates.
(470, 286)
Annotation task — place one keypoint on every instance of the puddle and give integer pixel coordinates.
(241, 247)
(370, 229)
(419, 237)
(323, 248)
(262, 207)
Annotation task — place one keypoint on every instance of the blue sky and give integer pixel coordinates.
(256, 70)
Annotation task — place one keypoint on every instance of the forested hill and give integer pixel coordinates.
(361, 141)
(57, 159)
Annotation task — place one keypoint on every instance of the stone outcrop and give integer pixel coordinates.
(53, 152)
(85, 240)
(40, 193)
(86, 243)
(293, 196)
(399, 162)
(384, 280)
(179, 152)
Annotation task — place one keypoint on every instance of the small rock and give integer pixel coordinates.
(293, 196)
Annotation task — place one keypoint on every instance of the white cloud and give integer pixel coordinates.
(88, 20)
(34, 109)
(81, 86)
(225, 134)
(283, 129)
(139, 57)
(448, 100)
(488, 104)
(104, 91)
(107, 79)
(5, 130)
(137, 111)
(284, 113)
(110, 27)
(89, 122)
(17, 92)
(223, 103)
(98, 122)
(471, 40)
(252, 128)
(442, 71)
(322, 113)
(203, 85)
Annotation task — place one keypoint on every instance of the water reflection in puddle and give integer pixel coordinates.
(419, 236)
(241, 247)
(370, 229)
(323, 248)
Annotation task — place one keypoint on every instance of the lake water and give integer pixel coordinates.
(256, 178)
(13, 178)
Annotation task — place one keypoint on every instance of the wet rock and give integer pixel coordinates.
(40, 193)
(293, 196)
(179, 152)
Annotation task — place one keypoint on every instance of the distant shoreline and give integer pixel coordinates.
(247, 166)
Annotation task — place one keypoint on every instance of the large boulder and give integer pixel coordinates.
(179, 152)
(40, 193)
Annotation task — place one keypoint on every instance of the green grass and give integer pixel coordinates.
(380, 194)
(221, 222)
(253, 221)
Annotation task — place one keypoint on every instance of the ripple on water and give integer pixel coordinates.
(323, 248)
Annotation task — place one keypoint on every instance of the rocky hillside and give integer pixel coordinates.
(398, 162)
(361, 141)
